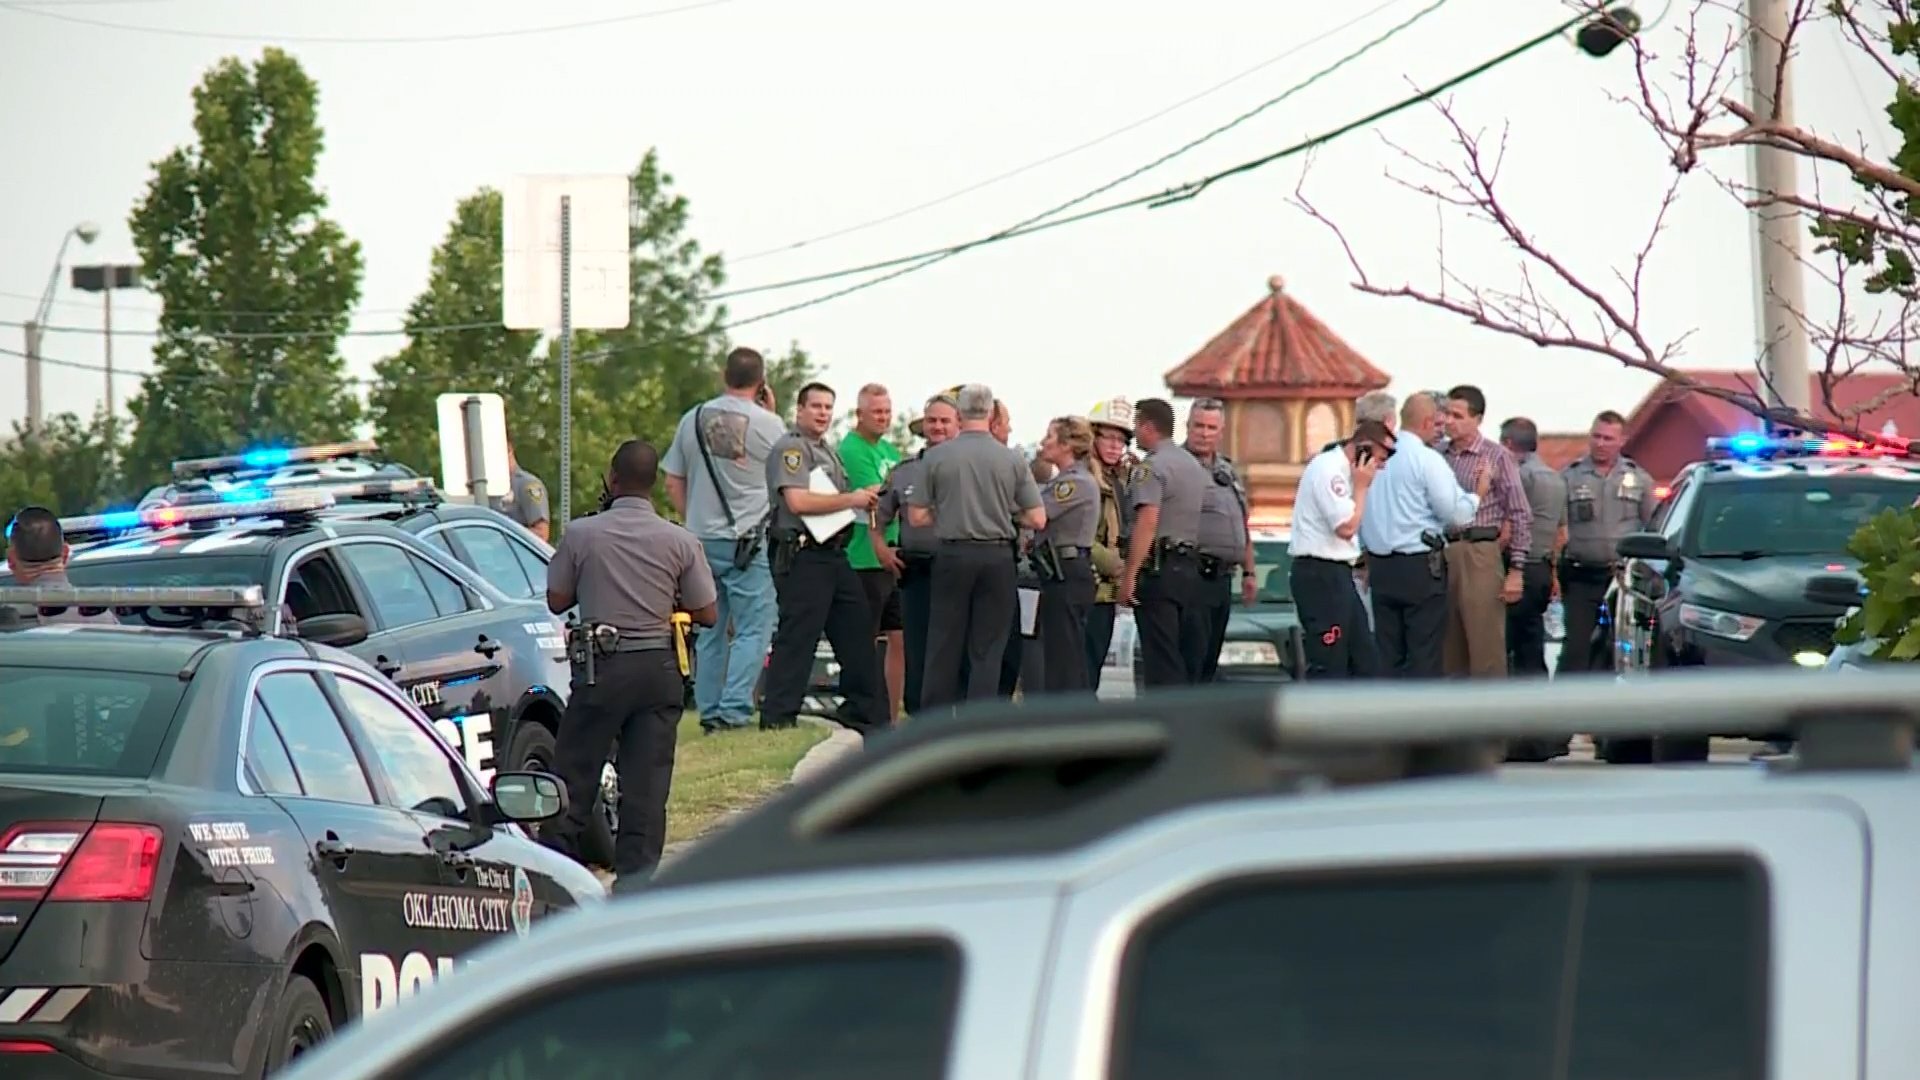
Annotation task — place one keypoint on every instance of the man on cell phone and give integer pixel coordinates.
(716, 473)
(1327, 510)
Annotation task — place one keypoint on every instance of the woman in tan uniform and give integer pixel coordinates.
(1112, 422)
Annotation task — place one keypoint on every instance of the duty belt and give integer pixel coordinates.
(837, 542)
(641, 643)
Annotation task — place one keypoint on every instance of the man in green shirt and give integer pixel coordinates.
(868, 456)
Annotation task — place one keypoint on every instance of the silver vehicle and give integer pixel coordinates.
(1319, 881)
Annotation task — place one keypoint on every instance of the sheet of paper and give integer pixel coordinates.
(825, 527)
(1029, 611)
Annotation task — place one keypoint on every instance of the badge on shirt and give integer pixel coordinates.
(1063, 490)
(790, 460)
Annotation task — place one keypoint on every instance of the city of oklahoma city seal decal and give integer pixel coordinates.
(522, 901)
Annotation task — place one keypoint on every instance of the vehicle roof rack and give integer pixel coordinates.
(272, 457)
(1051, 776)
(202, 508)
(170, 607)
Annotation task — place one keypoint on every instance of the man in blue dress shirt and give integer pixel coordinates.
(1414, 501)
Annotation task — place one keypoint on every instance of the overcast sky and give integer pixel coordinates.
(784, 120)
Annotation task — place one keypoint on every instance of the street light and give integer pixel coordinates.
(103, 279)
(87, 231)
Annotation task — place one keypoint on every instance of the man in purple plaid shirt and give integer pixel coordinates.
(1482, 579)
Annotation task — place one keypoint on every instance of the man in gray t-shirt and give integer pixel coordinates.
(716, 473)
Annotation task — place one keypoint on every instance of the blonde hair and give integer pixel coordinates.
(1074, 433)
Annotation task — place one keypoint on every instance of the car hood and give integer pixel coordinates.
(1260, 623)
(1772, 587)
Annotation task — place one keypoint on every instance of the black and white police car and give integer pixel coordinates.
(489, 669)
(219, 845)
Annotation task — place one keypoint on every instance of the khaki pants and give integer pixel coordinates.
(1476, 642)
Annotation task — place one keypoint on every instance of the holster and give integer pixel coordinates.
(747, 548)
(783, 544)
(1436, 554)
(1045, 560)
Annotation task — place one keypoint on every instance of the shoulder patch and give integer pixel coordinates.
(790, 459)
(1140, 472)
(1339, 487)
(534, 491)
(1063, 490)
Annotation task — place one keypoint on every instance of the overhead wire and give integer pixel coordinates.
(1178, 194)
(1036, 223)
(22, 8)
(1089, 144)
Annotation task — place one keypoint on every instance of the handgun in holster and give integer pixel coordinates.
(782, 546)
(1436, 554)
(1155, 560)
(586, 643)
(1045, 560)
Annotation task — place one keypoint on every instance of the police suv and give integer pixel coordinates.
(489, 669)
(217, 845)
(1222, 883)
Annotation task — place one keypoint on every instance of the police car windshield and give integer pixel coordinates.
(81, 720)
(1793, 515)
(1271, 565)
(175, 570)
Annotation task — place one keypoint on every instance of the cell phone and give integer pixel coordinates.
(1365, 455)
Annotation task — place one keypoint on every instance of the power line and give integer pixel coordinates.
(420, 39)
(262, 335)
(1072, 150)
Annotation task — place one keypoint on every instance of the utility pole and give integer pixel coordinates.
(1779, 283)
(104, 279)
(34, 406)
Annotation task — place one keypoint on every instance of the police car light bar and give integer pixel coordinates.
(1753, 444)
(107, 596)
(166, 516)
(339, 493)
(272, 457)
(379, 489)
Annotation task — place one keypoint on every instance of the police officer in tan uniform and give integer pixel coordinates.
(819, 591)
(1608, 496)
(1062, 556)
(630, 570)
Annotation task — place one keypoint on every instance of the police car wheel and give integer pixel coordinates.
(300, 1024)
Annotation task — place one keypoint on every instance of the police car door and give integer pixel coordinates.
(454, 661)
(364, 856)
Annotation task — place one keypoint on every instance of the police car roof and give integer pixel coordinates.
(252, 537)
(1725, 470)
(1051, 777)
(105, 647)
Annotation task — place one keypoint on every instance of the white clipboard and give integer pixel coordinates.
(1030, 612)
(824, 527)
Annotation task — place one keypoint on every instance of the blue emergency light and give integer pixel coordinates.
(1749, 445)
(167, 516)
(272, 457)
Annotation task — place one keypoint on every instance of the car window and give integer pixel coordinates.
(322, 756)
(419, 771)
(269, 766)
(1664, 511)
(84, 720)
(1792, 515)
(1592, 972)
(790, 1014)
(493, 559)
(1272, 563)
(317, 587)
(449, 596)
(394, 587)
(439, 540)
(535, 566)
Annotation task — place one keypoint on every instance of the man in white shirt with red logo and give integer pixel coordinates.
(1325, 547)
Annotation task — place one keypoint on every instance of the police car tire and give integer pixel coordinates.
(533, 746)
(300, 1023)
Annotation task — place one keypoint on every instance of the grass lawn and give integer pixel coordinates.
(713, 774)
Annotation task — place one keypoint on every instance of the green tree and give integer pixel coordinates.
(230, 230)
(69, 466)
(630, 383)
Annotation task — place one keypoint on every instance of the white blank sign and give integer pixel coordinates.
(530, 251)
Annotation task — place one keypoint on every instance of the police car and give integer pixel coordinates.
(1221, 883)
(278, 467)
(218, 845)
(489, 669)
(1720, 576)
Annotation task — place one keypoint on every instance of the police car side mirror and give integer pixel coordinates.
(528, 797)
(1835, 590)
(1644, 545)
(339, 631)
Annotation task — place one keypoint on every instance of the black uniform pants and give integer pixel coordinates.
(1205, 624)
(916, 607)
(1062, 624)
(821, 593)
(973, 591)
(1162, 600)
(1099, 641)
(634, 704)
(1338, 641)
(1409, 613)
(1526, 622)
(1582, 591)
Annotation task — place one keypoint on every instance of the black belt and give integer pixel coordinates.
(1398, 554)
(970, 541)
(1474, 535)
(837, 542)
(1330, 562)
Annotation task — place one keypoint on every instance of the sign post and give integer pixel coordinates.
(567, 262)
(473, 445)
